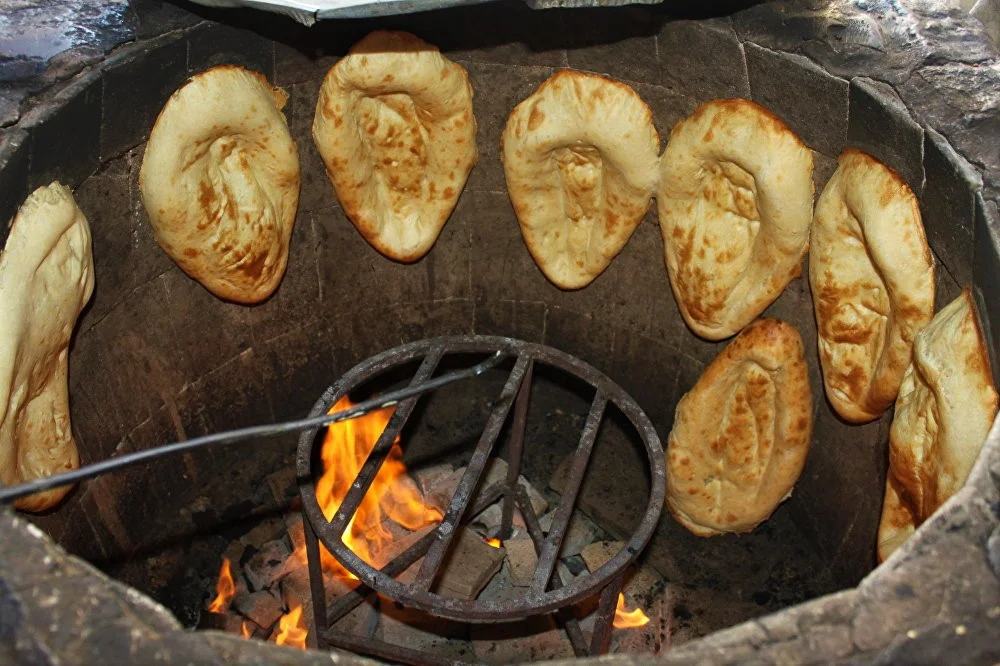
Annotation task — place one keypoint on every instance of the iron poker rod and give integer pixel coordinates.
(9, 494)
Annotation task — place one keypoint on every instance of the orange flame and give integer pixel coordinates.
(290, 630)
(496, 543)
(626, 619)
(392, 494)
(245, 630)
(225, 589)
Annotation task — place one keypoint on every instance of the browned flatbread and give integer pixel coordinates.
(579, 156)
(735, 203)
(395, 128)
(46, 277)
(945, 409)
(741, 435)
(220, 182)
(872, 279)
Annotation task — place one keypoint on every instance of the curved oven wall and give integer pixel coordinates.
(157, 358)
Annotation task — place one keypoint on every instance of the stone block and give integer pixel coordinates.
(682, 47)
(986, 275)
(263, 608)
(469, 566)
(522, 559)
(880, 125)
(213, 44)
(616, 41)
(66, 134)
(580, 532)
(812, 102)
(262, 568)
(137, 83)
(948, 206)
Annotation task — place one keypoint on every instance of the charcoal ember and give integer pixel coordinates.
(430, 479)
(263, 607)
(266, 565)
(401, 541)
(283, 486)
(296, 532)
(496, 472)
(522, 559)
(598, 553)
(362, 620)
(580, 533)
(265, 531)
(469, 565)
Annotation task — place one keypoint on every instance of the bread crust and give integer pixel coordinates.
(741, 434)
(579, 157)
(735, 203)
(395, 128)
(220, 182)
(46, 278)
(946, 406)
(872, 279)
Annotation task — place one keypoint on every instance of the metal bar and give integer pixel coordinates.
(459, 502)
(348, 602)
(316, 588)
(565, 617)
(554, 539)
(515, 451)
(382, 447)
(604, 619)
(383, 650)
(10, 493)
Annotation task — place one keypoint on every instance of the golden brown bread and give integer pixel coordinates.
(872, 279)
(741, 435)
(735, 203)
(220, 182)
(395, 128)
(580, 158)
(46, 277)
(945, 409)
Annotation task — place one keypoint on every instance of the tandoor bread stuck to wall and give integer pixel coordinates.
(735, 202)
(46, 277)
(872, 279)
(395, 128)
(944, 411)
(580, 158)
(741, 434)
(220, 182)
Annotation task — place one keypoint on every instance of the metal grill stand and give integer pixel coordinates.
(548, 592)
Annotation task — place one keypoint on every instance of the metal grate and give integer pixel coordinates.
(548, 593)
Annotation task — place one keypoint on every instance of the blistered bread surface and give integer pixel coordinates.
(220, 182)
(580, 158)
(46, 278)
(735, 204)
(872, 279)
(741, 434)
(395, 128)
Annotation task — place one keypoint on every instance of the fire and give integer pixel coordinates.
(626, 619)
(496, 543)
(290, 630)
(392, 494)
(225, 589)
(245, 630)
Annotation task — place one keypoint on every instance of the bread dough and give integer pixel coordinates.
(872, 279)
(395, 128)
(220, 182)
(735, 203)
(580, 157)
(46, 277)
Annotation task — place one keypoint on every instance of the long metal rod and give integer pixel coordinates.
(317, 590)
(379, 453)
(10, 493)
(560, 522)
(467, 484)
(604, 620)
(515, 451)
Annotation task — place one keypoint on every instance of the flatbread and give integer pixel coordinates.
(735, 203)
(395, 128)
(220, 182)
(741, 435)
(46, 277)
(944, 411)
(580, 157)
(872, 279)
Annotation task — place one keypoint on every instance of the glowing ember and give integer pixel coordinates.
(626, 619)
(290, 629)
(496, 543)
(392, 494)
(225, 589)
